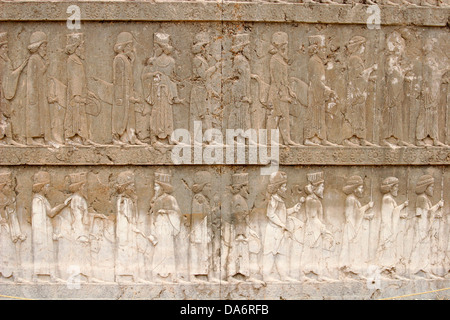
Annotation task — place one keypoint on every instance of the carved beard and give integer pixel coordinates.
(130, 55)
(130, 193)
(4, 56)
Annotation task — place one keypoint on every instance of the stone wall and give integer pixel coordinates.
(224, 150)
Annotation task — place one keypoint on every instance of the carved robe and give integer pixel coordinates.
(276, 240)
(239, 255)
(38, 121)
(315, 113)
(200, 235)
(390, 216)
(9, 233)
(161, 90)
(166, 226)
(126, 254)
(42, 236)
(123, 112)
(315, 237)
(427, 120)
(241, 95)
(200, 102)
(392, 118)
(8, 85)
(76, 121)
(354, 252)
(356, 97)
(278, 96)
(421, 249)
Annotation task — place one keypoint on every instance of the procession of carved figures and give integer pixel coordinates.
(334, 104)
(282, 234)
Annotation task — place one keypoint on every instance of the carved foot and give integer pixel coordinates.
(309, 142)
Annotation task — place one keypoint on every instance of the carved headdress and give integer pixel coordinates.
(276, 180)
(240, 41)
(73, 41)
(387, 184)
(352, 183)
(201, 178)
(315, 178)
(40, 179)
(36, 39)
(201, 39)
(355, 42)
(122, 39)
(423, 183)
(163, 178)
(77, 180)
(239, 179)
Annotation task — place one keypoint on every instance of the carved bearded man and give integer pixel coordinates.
(10, 232)
(317, 238)
(126, 230)
(9, 78)
(200, 220)
(315, 131)
(280, 95)
(166, 226)
(277, 236)
(390, 216)
(426, 214)
(38, 121)
(354, 252)
(125, 98)
(160, 90)
(42, 230)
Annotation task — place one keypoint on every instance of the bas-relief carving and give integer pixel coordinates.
(308, 97)
(285, 229)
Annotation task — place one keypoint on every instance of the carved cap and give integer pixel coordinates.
(318, 40)
(162, 38)
(352, 183)
(3, 38)
(77, 179)
(315, 178)
(388, 183)
(41, 178)
(240, 40)
(74, 39)
(162, 176)
(202, 177)
(37, 38)
(123, 38)
(125, 178)
(279, 38)
(278, 177)
(239, 179)
(423, 183)
(201, 38)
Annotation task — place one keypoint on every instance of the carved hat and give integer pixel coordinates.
(276, 179)
(122, 39)
(201, 178)
(41, 178)
(201, 38)
(423, 183)
(163, 177)
(36, 39)
(356, 40)
(77, 180)
(3, 38)
(279, 38)
(387, 184)
(316, 40)
(161, 38)
(352, 183)
(125, 178)
(239, 179)
(73, 41)
(315, 178)
(240, 41)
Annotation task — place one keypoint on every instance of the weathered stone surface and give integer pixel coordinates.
(135, 161)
